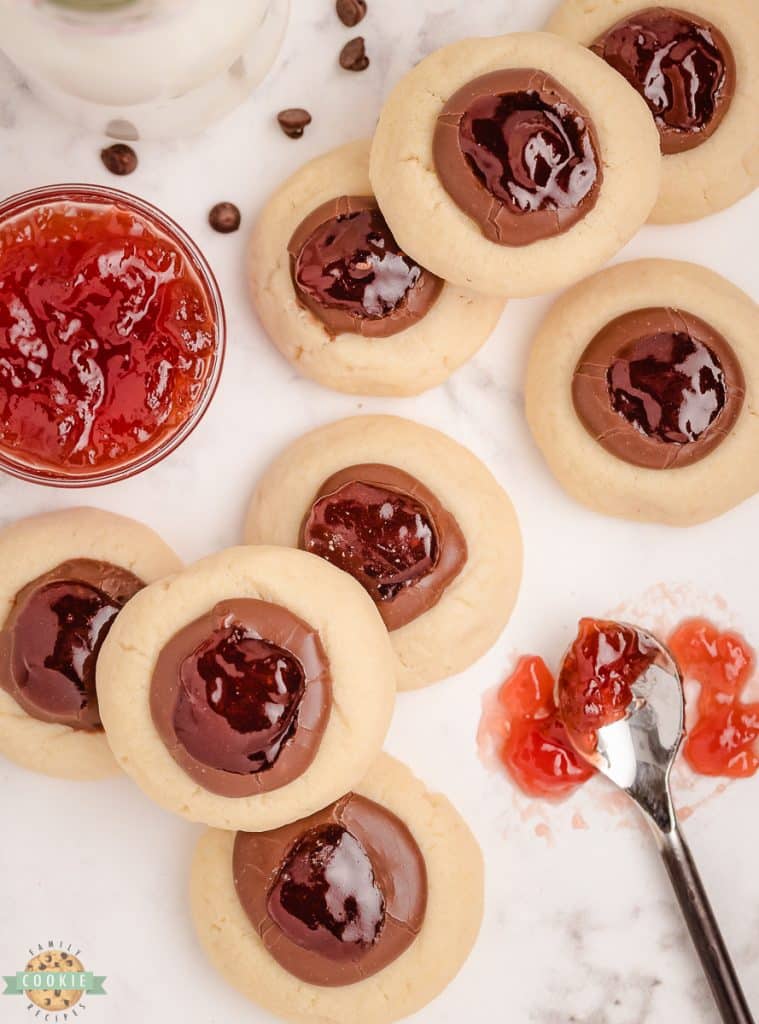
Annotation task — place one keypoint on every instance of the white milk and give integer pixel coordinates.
(143, 68)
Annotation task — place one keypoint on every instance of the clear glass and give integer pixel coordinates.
(33, 472)
(143, 68)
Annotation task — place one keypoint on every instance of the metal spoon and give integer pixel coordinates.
(637, 754)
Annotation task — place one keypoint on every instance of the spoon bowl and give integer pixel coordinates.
(636, 752)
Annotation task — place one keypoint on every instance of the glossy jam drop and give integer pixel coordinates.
(60, 631)
(326, 898)
(385, 539)
(238, 701)
(107, 336)
(534, 746)
(352, 262)
(528, 153)
(723, 740)
(669, 386)
(681, 65)
(594, 685)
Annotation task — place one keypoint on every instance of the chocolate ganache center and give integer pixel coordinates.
(386, 529)
(683, 67)
(519, 154)
(350, 272)
(658, 388)
(335, 897)
(241, 697)
(50, 641)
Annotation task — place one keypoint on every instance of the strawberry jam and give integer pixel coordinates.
(385, 539)
(668, 385)
(326, 897)
(681, 65)
(532, 734)
(536, 749)
(595, 681)
(253, 688)
(386, 529)
(723, 739)
(109, 334)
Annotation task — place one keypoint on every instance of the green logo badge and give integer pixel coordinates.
(54, 980)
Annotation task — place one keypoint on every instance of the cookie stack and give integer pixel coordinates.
(252, 692)
(514, 166)
(500, 168)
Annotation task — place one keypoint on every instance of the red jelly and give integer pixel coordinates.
(595, 681)
(385, 539)
(111, 335)
(669, 386)
(65, 624)
(529, 153)
(723, 740)
(352, 262)
(239, 700)
(326, 898)
(683, 67)
(536, 749)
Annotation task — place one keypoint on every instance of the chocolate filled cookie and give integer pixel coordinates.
(66, 577)
(640, 392)
(363, 911)
(696, 65)
(249, 690)
(514, 165)
(342, 300)
(416, 519)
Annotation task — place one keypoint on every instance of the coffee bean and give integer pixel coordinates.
(293, 120)
(119, 158)
(224, 218)
(351, 12)
(353, 55)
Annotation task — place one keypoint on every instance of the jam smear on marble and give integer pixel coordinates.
(238, 702)
(594, 685)
(723, 739)
(384, 538)
(107, 335)
(533, 743)
(669, 385)
(326, 897)
(529, 153)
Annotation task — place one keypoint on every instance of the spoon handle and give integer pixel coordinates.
(703, 927)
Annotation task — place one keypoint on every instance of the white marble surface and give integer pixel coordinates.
(579, 923)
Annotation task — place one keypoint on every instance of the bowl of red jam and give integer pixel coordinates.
(112, 335)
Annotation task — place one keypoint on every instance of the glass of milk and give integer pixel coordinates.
(143, 68)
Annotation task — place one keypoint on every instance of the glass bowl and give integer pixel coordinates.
(39, 472)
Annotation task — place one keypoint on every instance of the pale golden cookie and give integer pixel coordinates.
(406, 363)
(475, 607)
(323, 598)
(433, 229)
(725, 167)
(30, 548)
(452, 920)
(680, 496)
